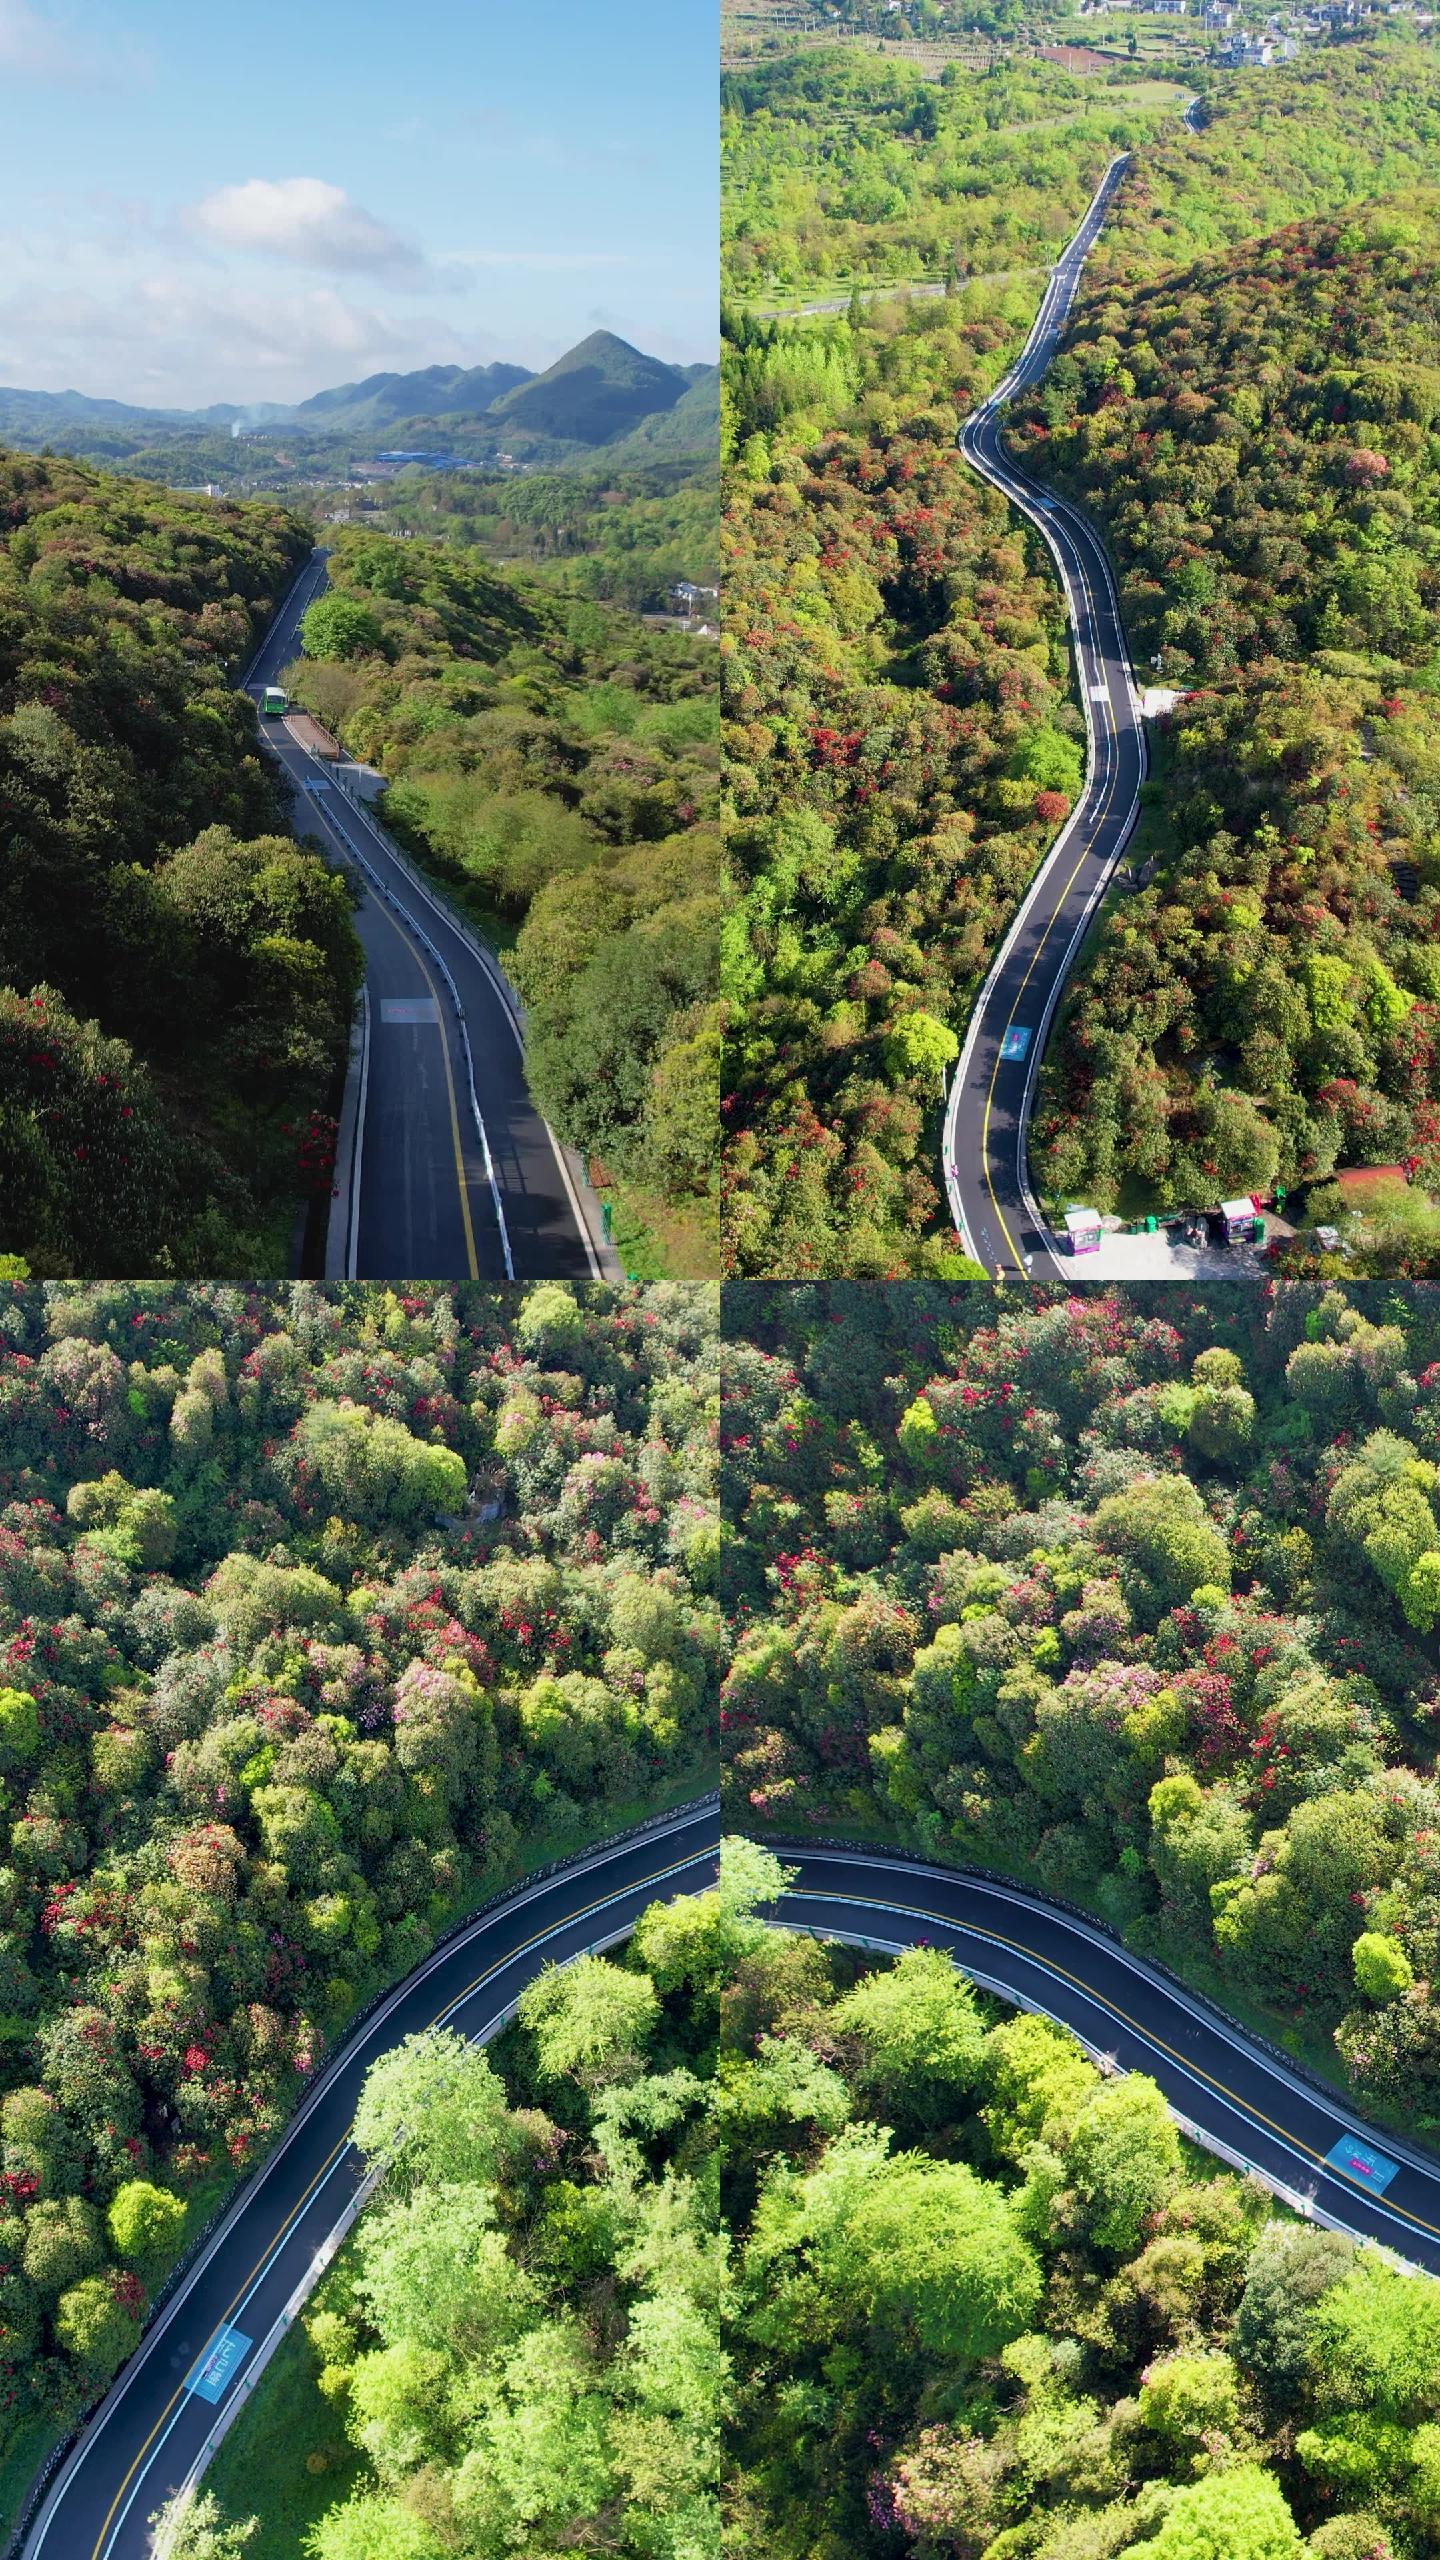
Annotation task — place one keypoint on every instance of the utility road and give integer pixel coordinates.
(1222, 2081)
(988, 1107)
(455, 1175)
(140, 2445)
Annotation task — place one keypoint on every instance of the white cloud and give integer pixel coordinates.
(30, 44)
(307, 222)
(172, 339)
(544, 261)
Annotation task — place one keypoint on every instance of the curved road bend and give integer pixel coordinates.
(988, 1106)
(1217, 2077)
(140, 2444)
(454, 1184)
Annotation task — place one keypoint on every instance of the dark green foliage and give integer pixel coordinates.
(158, 1045)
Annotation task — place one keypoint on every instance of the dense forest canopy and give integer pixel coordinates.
(904, 740)
(521, 2343)
(899, 742)
(556, 761)
(959, 2294)
(176, 977)
(989, 2307)
(1132, 1595)
(1257, 435)
(318, 1611)
(624, 536)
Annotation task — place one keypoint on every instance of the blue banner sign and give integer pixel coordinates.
(216, 2368)
(1368, 2168)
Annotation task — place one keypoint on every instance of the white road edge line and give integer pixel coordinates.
(604, 1853)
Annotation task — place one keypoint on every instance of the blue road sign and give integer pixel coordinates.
(1368, 2168)
(1015, 1042)
(216, 2368)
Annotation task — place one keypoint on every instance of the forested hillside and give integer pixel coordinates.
(175, 976)
(1256, 434)
(518, 2352)
(1135, 1596)
(319, 1613)
(556, 763)
(958, 2293)
(895, 657)
(988, 2303)
(900, 743)
(623, 536)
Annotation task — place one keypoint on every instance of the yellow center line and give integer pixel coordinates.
(1101, 812)
(272, 2245)
(1046, 1964)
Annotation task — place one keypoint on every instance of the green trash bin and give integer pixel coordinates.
(1151, 1226)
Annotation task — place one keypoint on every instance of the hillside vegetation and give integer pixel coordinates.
(990, 2307)
(1134, 1596)
(959, 2294)
(1197, 413)
(622, 535)
(900, 743)
(176, 976)
(276, 1700)
(1257, 435)
(556, 763)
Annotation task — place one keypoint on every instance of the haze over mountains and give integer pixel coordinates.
(602, 392)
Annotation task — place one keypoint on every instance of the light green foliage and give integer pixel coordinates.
(1236, 2515)
(94, 2327)
(1375, 2339)
(1381, 1504)
(1382, 1968)
(192, 2527)
(374, 1469)
(1165, 1539)
(434, 2104)
(921, 2033)
(697, 1937)
(590, 2020)
(1185, 2398)
(142, 2218)
(19, 1728)
(338, 627)
(1122, 2159)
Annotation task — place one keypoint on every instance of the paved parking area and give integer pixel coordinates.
(1158, 1257)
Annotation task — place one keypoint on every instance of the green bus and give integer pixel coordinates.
(274, 702)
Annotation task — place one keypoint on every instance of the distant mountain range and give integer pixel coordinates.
(603, 393)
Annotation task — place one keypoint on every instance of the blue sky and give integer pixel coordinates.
(259, 203)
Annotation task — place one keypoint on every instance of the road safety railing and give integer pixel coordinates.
(1037, 511)
(188, 2264)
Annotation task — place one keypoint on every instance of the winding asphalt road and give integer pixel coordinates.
(139, 2446)
(456, 1175)
(1218, 2079)
(988, 1106)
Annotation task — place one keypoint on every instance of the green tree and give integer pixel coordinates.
(1233, 2515)
(142, 2218)
(337, 626)
(590, 2020)
(1382, 1969)
(434, 2104)
(921, 2033)
(1122, 2160)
